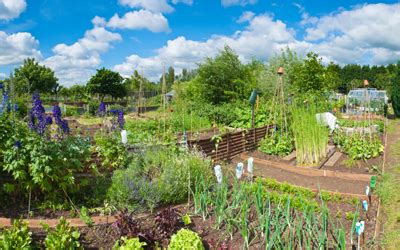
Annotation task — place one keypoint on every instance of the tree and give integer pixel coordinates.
(309, 77)
(395, 97)
(32, 77)
(221, 79)
(169, 78)
(267, 78)
(107, 82)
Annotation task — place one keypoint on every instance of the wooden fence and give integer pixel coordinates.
(230, 144)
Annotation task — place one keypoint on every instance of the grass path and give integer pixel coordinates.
(389, 189)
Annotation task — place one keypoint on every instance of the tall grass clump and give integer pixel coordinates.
(311, 139)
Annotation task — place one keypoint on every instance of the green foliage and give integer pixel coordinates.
(185, 239)
(107, 82)
(160, 175)
(62, 237)
(395, 97)
(129, 244)
(42, 163)
(311, 139)
(186, 220)
(16, 237)
(111, 150)
(6, 133)
(359, 147)
(222, 79)
(85, 217)
(32, 77)
(310, 76)
(277, 144)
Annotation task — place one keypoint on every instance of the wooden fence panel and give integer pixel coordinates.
(231, 144)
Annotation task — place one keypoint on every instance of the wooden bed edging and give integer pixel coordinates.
(311, 171)
(74, 222)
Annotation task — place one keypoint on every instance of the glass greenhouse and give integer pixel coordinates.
(366, 99)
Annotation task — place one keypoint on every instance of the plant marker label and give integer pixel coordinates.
(365, 205)
(239, 170)
(250, 165)
(367, 190)
(358, 228)
(362, 226)
(218, 173)
(124, 137)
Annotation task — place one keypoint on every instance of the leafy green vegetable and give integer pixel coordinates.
(185, 239)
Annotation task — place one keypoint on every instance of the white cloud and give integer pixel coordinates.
(151, 5)
(246, 17)
(364, 34)
(3, 76)
(99, 21)
(77, 62)
(142, 19)
(16, 47)
(10, 9)
(227, 3)
(261, 38)
(188, 2)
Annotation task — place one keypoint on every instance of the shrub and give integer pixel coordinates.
(36, 162)
(395, 97)
(129, 244)
(111, 150)
(62, 237)
(185, 239)
(16, 237)
(159, 175)
(277, 144)
(359, 147)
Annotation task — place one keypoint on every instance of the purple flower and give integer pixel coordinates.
(49, 120)
(1, 86)
(37, 119)
(114, 111)
(18, 144)
(121, 120)
(62, 124)
(102, 109)
(16, 107)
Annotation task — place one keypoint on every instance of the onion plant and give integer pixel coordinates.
(311, 139)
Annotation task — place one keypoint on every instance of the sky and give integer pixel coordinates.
(76, 37)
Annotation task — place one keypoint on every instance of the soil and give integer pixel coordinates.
(360, 167)
(325, 183)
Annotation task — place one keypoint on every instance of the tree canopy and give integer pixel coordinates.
(32, 77)
(107, 82)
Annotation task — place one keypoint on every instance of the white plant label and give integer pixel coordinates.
(358, 228)
(218, 173)
(367, 190)
(239, 170)
(124, 137)
(250, 165)
(365, 205)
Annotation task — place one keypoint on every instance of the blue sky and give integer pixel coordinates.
(76, 37)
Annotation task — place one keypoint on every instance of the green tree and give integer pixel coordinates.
(107, 82)
(332, 77)
(309, 77)
(395, 97)
(221, 79)
(169, 78)
(267, 78)
(32, 77)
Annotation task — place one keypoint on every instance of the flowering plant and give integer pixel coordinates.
(62, 123)
(37, 119)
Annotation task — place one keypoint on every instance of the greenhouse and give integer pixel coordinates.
(366, 99)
